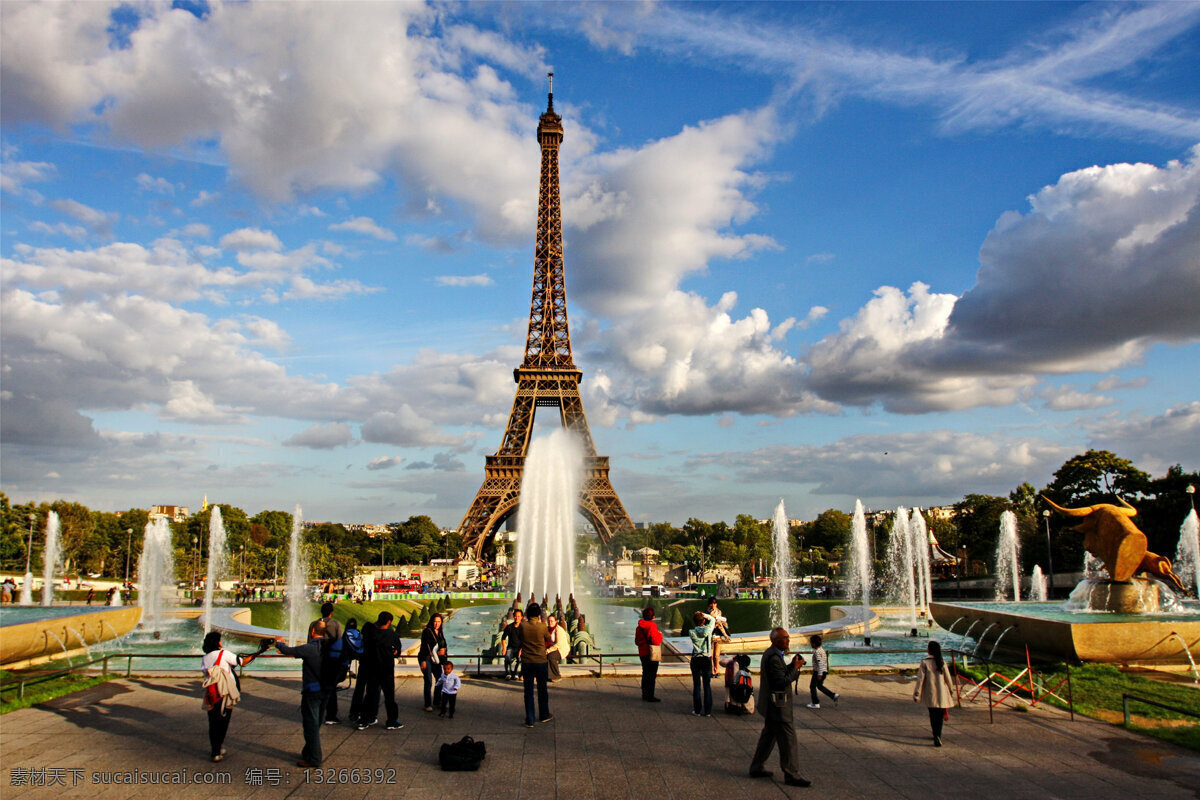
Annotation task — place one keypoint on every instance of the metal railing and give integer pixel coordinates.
(1125, 698)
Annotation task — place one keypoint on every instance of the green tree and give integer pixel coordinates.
(977, 517)
(1097, 476)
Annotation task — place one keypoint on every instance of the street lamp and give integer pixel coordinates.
(1049, 555)
(195, 561)
(128, 545)
(243, 569)
(29, 547)
(1191, 491)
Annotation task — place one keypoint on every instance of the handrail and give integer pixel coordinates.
(1125, 698)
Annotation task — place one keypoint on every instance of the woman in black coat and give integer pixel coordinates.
(431, 655)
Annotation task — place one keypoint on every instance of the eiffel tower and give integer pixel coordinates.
(548, 378)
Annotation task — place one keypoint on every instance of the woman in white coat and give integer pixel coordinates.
(934, 689)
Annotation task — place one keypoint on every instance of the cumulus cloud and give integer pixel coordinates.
(95, 220)
(443, 462)
(323, 437)
(928, 466)
(364, 225)
(251, 239)
(383, 462)
(14, 174)
(150, 183)
(1155, 442)
(406, 427)
(1067, 398)
(464, 280)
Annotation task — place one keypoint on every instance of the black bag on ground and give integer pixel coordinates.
(464, 755)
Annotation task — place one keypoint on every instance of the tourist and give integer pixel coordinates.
(722, 628)
(217, 667)
(739, 686)
(701, 635)
(350, 651)
(534, 668)
(648, 639)
(820, 669)
(314, 695)
(558, 646)
(448, 685)
(381, 646)
(935, 690)
(510, 641)
(333, 628)
(108, 596)
(775, 704)
(91, 595)
(431, 655)
(360, 682)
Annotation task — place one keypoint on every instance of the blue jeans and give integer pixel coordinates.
(702, 677)
(539, 673)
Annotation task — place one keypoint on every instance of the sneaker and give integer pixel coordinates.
(530, 725)
(219, 757)
(695, 713)
(706, 714)
(442, 715)
(761, 773)
(547, 719)
(394, 725)
(429, 708)
(306, 764)
(937, 741)
(790, 781)
(836, 697)
(334, 721)
(814, 705)
(362, 726)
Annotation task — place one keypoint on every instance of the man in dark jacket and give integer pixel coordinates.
(535, 668)
(775, 704)
(313, 695)
(381, 645)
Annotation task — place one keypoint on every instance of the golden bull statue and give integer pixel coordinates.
(1110, 535)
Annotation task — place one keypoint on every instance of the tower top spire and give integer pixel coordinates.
(550, 100)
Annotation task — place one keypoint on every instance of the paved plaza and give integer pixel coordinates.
(604, 743)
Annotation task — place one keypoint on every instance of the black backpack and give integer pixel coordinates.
(465, 755)
(333, 668)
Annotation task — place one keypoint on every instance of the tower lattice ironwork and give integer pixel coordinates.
(546, 378)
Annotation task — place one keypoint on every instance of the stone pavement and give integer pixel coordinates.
(604, 743)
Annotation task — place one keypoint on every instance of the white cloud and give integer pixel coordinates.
(323, 437)
(1066, 398)
(251, 239)
(76, 232)
(188, 403)
(383, 462)
(149, 183)
(364, 225)
(464, 280)
(15, 174)
(196, 230)
(204, 198)
(97, 221)
(1154, 443)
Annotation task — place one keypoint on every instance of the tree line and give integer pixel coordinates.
(99, 542)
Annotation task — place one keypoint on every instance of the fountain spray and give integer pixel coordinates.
(783, 568)
(1187, 553)
(860, 567)
(216, 562)
(297, 579)
(1008, 563)
(50, 558)
(156, 572)
(550, 486)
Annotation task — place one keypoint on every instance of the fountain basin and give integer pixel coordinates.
(843, 621)
(36, 635)
(1049, 631)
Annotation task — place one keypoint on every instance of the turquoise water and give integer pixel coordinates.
(1055, 611)
(15, 615)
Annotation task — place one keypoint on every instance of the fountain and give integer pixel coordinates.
(297, 580)
(1129, 612)
(550, 489)
(1008, 564)
(781, 584)
(1037, 584)
(216, 563)
(859, 585)
(50, 559)
(1187, 553)
(26, 598)
(900, 565)
(156, 573)
(921, 556)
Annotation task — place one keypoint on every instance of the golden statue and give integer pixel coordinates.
(1110, 535)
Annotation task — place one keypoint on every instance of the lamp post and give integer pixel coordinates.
(1191, 492)
(1049, 555)
(195, 560)
(29, 547)
(128, 545)
(961, 552)
(243, 565)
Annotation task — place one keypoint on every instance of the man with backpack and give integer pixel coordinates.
(381, 646)
(316, 672)
(345, 650)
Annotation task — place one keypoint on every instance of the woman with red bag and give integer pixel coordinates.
(935, 690)
(648, 639)
(221, 689)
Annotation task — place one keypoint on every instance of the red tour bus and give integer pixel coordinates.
(397, 585)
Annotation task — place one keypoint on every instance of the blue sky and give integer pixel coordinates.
(280, 253)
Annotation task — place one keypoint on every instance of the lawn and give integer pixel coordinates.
(743, 615)
(1097, 690)
(45, 690)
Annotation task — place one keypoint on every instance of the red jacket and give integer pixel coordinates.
(646, 635)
